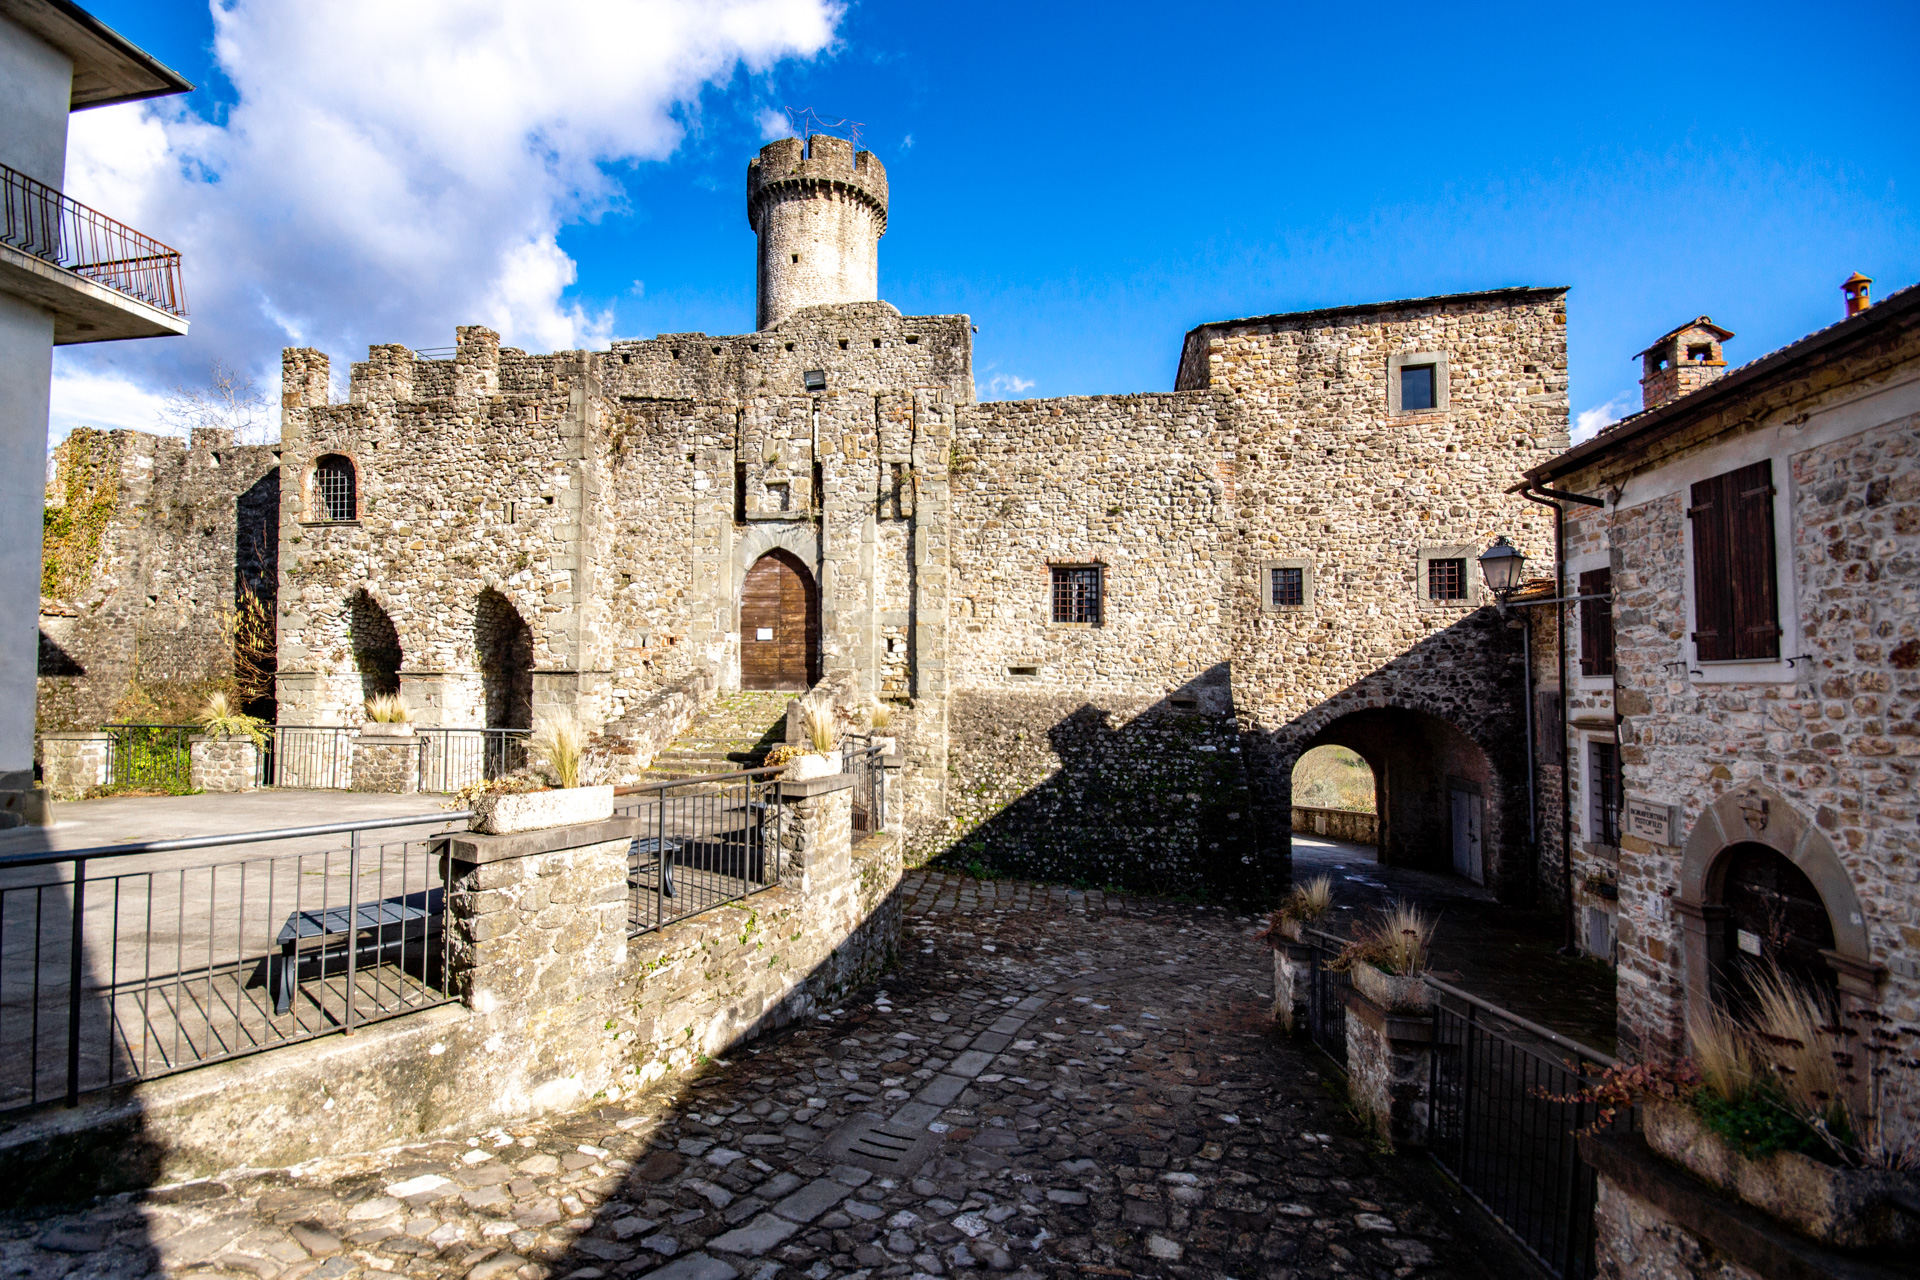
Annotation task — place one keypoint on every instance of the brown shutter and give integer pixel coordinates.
(1596, 623)
(1712, 570)
(1756, 611)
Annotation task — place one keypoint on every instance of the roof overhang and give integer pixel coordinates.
(107, 67)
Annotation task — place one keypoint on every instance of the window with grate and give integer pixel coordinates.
(1076, 594)
(1596, 623)
(1447, 579)
(1287, 587)
(1603, 792)
(333, 487)
(1736, 611)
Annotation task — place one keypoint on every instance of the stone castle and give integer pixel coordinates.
(1165, 597)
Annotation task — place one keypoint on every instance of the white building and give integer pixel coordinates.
(67, 274)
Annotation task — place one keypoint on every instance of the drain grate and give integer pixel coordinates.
(880, 1145)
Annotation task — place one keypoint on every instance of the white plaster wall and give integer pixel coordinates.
(36, 85)
(26, 367)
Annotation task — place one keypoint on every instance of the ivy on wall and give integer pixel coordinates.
(72, 530)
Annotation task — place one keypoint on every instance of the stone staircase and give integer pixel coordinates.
(735, 733)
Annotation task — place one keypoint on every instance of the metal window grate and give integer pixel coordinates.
(1446, 579)
(1603, 801)
(1076, 594)
(333, 485)
(1288, 587)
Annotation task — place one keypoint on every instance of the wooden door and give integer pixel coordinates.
(1468, 817)
(779, 625)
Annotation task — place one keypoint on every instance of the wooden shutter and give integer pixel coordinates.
(1735, 609)
(1596, 623)
(1712, 571)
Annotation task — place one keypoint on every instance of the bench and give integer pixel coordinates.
(331, 925)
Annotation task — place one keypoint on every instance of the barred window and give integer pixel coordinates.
(1076, 594)
(333, 487)
(1288, 587)
(1447, 579)
(1603, 792)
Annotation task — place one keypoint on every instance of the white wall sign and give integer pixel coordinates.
(763, 633)
(1653, 823)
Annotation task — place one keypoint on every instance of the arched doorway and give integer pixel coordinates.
(1772, 916)
(1334, 798)
(779, 624)
(376, 646)
(504, 644)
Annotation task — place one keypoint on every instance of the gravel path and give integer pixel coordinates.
(1053, 1083)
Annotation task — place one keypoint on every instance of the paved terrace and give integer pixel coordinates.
(1078, 1084)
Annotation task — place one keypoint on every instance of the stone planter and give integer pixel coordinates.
(1293, 930)
(806, 768)
(1847, 1208)
(1391, 990)
(386, 729)
(503, 813)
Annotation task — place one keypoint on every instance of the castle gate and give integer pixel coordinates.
(779, 624)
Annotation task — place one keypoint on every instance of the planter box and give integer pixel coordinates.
(806, 768)
(386, 729)
(505, 813)
(1847, 1208)
(1391, 991)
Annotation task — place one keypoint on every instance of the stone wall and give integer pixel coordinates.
(1339, 824)
(73, 762)
(223, 764)
(151, 542)
(386, 762)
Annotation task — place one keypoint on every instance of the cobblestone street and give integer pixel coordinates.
(1071, 1084)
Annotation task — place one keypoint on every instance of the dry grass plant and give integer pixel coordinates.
(1797, 1037)
(562, 750)
(816, 722)
(881, 717)
(386, 708)
(220, 718)
(1399, 942)
(1722, 1055)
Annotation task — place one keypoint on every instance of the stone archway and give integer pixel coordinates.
(1757, 815)
(376, 646)
(503, 643)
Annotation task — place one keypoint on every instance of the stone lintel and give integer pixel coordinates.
(68, 735)
(813, 787)
(1398, 1027)
(1741, 1232)
(481, 849)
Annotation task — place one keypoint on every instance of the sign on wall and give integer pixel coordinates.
(1654, 823)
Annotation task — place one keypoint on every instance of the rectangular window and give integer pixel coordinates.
(1416, 388)
(1603, 792)
(1596, 623)
(1447, 579)
(1288, 587)
(1076, 594)
(1736, 613)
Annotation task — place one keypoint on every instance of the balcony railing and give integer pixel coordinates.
(56, 229)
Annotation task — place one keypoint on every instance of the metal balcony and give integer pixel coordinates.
(55, 229)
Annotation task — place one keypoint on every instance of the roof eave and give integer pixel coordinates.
(108, 68)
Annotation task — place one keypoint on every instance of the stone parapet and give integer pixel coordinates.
(73, 763)
(1337, 824)
(223, 764)
(1390, 1069)
(386, 764)
(1290, 979)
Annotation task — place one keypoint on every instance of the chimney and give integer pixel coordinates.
(1857, 288)
(1682, 361)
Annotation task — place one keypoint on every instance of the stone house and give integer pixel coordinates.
(1741, 735)
(1167, 596)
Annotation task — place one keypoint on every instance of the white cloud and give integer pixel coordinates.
(1003, 386)
(774, 124)
(101, 398)
(389, 171)
(1588, 423)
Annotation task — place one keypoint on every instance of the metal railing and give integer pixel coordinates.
(1496, 1125)
(149, 756)
(452, 758)
(706, 842)
(860, 757)
(1327, 989)
(308, 756)
(321, 756)
(128, 962)
(58, 229)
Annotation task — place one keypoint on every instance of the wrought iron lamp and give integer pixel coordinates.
(1500, 564)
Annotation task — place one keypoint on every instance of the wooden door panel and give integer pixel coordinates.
(779, 626)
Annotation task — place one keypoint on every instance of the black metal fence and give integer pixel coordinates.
(863, 759)
(127, 962)
(149, 756)
(37, 219)
(321, 756)
(707, 842)
(307, 756)
(1496, 1125)
(452, 758)
(1327, 994)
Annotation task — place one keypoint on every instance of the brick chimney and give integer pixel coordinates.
(1858, 289)
(1682, 361)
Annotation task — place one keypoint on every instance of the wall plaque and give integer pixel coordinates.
(1654, 823)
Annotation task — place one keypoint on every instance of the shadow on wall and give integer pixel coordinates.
(1442, 726)
(1147, 795)
(376, 646)
(504, 644)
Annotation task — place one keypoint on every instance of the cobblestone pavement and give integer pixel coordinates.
(1073, 1084)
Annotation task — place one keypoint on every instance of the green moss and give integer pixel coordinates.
(71, 533)
(1759, 1124)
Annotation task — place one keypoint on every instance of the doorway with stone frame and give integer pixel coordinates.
(779, 624)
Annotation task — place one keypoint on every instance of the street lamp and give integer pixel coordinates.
(1501, 564)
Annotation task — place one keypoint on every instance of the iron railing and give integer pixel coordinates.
(863, 759)
(128, 962)
(1327, 989)
(321, 756)
(59, 229)
(1500, 1123)
(308, 757)
(705, 842)
(150, 756)
(452, 758)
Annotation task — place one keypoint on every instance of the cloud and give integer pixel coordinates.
(773, 124)
(1004, 386)
(85, 397)
(389, 171)
(1588, 423)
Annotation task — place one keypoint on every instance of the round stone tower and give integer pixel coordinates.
(819, 211)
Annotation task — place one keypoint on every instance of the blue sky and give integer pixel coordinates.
(1089, 182)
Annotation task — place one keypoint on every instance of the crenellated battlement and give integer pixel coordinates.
(821, 164)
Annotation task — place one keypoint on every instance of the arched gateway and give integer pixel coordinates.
(779, 624)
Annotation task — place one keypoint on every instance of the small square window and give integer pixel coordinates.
(1076, 594)
(1287, 587)
(1417, 389)
(1447, 579)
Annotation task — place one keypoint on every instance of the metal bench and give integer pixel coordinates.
(341, 926)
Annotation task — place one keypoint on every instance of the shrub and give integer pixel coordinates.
(222, 719)
(386, 708)
(562, 748)
(1398, 942)
(1307, 903)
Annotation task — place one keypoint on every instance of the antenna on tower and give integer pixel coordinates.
(805, 121)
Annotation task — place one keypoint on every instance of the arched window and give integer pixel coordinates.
(334, 492)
